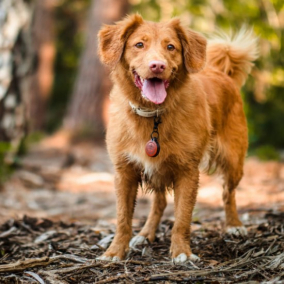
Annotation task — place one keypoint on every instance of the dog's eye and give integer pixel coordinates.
(139, 45)
(170, 47)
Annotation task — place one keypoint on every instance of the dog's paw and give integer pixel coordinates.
(108, 258)
(137, 240)
(115, 252)
(182, 258)
(237, 231)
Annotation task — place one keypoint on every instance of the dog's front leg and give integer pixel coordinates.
(185, 190)
(148, 231)
(126, 184)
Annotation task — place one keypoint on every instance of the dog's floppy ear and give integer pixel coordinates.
(193, 47)
(112, 39)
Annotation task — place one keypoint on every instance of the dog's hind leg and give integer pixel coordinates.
(233, 223)
(232, 148)
(232, 176)
(148, 231)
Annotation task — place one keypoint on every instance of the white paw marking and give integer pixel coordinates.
(115, 258)
(137, 240)
(108, 258)
(103, 257)
(182, 258)
(237, 231)
(194, 257)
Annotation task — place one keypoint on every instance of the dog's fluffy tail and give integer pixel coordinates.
(233, 54)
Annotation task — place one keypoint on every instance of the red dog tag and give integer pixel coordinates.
(152, 148)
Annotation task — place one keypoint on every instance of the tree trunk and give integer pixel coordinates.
(41, 81)
(16, 65)
(85, 112)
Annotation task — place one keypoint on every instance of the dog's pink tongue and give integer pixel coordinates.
(154, 90)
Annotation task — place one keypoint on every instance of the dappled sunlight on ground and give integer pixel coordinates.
(76, 183)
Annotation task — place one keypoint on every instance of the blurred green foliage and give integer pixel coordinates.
(264, 91)
(70, 23)
(4, 168)
(11, 158)
(266, 152)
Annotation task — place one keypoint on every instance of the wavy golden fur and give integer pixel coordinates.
(203, 121)
(233, 54)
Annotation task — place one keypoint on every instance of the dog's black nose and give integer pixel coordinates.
(157, 66)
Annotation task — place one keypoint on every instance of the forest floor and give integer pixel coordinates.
(58, 214)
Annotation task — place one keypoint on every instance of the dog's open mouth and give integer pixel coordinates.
(152, 89)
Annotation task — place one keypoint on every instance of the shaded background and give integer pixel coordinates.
(64, 86)
(263, 93)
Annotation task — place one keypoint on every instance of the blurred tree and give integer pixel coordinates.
(16, 66)
(85, 111)
(42, 30)
(70, 24)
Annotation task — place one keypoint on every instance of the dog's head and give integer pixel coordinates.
(153, 53)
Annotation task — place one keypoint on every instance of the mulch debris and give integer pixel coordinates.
(35, 250)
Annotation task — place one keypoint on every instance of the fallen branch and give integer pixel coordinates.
(21, 265)
(36, 276)
(8, 233)
(110, 279)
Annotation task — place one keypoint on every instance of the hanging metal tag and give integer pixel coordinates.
(152, 147)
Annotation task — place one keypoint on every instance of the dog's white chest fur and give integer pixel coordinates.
(148, 167)
(151, 167)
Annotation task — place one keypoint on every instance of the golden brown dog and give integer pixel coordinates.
(165, 70)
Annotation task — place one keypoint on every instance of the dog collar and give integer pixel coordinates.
(145, 112)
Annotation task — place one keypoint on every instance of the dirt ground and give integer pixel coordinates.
(58, 213)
